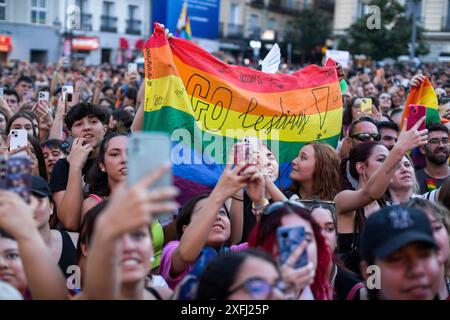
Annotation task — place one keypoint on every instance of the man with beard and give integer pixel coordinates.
(436, 152)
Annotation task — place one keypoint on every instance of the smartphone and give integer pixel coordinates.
(146, 153)
(415, 113)
(67, 92)
(132, 67)
(366, 105)
(243, 152)
(43, 96)
(18, 139)
(67, 144)
(1, 92)
(288, 239)
(15, 176)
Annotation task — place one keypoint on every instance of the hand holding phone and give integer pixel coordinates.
(132, 67)
(289, 239)
(366, 105)
(43, 96)
(18, 139)
(67, 92)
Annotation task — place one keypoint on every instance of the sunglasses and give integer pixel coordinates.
(286, 204)
(310, 203)
(367, 136)
(260, 289)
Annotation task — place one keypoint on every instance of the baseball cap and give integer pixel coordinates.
(392, 228)
(39, 187)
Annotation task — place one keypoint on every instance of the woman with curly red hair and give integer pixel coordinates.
(310, 281)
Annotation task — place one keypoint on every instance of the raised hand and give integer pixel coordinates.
(412, 138)
(79, 153)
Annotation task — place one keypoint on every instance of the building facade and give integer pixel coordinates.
(95, 31)
(249, 28)
(434, 16)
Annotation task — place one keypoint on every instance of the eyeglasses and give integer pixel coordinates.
(260, 289)
(310, 203)
(366, 136)
(277, 206)
(436, 141)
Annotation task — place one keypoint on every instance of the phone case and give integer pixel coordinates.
(243, 153)
(67, 144)
(18, 139)
(415, 113)
(66, 90)
(289, 238)
(15, 176)
(43, 96)
(366, 105)
(146, 153)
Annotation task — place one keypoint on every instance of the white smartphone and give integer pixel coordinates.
(146, 153)
(132, 67)
(18, 139)
(67, 93)
(43, 96)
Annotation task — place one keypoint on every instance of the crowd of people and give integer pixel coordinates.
(375, 211)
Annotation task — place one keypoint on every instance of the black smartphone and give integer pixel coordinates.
(66, 145)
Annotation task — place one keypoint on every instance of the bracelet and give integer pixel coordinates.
(237, 199)
(261, 206)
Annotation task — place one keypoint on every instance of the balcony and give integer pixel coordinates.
(233, 31)
(133, 27)
(86, 22)
(325, 5)
(257, 3)
(254, 33)
(285, 6)
(109, 24)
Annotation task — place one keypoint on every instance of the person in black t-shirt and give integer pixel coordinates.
(87, 124)
(436, 153)
(60, 243)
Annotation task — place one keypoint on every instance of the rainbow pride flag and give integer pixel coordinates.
(431, 184)
(423, 95)
(206, 106)
(183, 24)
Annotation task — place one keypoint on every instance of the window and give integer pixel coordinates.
(38, 11)
(362, 8)
(253, 21)
(2, 9)
(108, 8)
(234, 14)
(82, 4)
(132, 12)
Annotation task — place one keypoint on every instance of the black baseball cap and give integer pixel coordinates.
(39, 187)
(392, 228)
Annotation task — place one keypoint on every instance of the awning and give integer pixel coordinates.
(123, 43)
(85, 43)
(5, 43)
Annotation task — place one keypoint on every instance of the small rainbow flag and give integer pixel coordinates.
(206, 106)
(184, 25)
(431, 184)
(423, 95)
